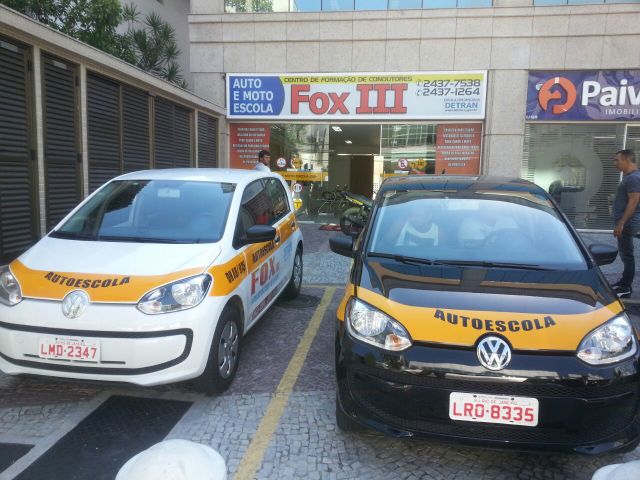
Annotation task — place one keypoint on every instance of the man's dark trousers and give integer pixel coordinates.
(625, 248)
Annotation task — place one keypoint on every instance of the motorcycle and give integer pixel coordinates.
(356, 214)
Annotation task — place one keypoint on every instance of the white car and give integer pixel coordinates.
(153, 279)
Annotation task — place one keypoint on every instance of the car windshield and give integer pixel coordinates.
(475, 228)
(152, 211)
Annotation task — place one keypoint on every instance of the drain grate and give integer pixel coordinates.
(301, 301)
(100, 444)
(10, 453)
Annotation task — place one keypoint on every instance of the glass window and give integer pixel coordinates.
(439, 4)
(549, 2)
(306, 5)
(473, 3)
(574, 163)
(509, 227)
(152, 211)
(371, 4)
(279, 199)
(256, 207)
(404, 4)
(336, 5)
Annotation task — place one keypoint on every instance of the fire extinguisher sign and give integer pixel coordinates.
(370, 96)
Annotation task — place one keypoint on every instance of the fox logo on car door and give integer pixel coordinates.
(262, 276)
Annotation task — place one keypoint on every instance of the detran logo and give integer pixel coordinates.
(553, 89)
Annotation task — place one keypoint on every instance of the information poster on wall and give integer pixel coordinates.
(247, 139)
(364, 96)
(458, 149)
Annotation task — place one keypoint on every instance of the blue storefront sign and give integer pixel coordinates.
(456, 95)
(612, 95)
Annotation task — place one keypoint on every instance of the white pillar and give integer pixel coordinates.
(37, 98)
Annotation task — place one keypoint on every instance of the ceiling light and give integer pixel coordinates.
(336, 128)
(348, 142)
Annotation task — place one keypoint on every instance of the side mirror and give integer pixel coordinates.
(603, 254)
(259, 234)
(342, 245)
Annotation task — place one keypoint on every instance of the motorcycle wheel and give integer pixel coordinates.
(351, 221)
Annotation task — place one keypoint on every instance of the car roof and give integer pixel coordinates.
(226, 175)
(469, 184)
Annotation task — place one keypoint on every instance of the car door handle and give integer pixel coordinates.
(292, 224)
(277, 239)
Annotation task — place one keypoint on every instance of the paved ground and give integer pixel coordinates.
(277, 420)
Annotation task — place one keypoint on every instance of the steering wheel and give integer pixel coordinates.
(508, 238)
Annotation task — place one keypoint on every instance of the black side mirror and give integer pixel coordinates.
(259, 234)
(603, 254)
(342, 245)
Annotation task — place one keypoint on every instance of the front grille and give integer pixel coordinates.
(535, 389)
(564, 418)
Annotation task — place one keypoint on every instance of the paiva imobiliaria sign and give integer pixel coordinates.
(596, 95)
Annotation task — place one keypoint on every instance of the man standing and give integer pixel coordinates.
(626, 215)
(264, 159)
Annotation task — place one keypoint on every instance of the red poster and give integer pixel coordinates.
(458, 149)
(247, 139)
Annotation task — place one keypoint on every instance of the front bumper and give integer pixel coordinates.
(582, 409)
(134, 347)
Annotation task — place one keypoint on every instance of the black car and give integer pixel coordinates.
(475, 313)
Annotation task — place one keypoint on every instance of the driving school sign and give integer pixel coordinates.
(596, 95)
(364, 96)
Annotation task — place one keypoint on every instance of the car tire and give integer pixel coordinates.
(345, 422)
(292, 290)
(224, 355)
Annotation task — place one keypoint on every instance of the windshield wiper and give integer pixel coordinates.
(402, 258)
(116, 238)
(482, 263)
(72, 235)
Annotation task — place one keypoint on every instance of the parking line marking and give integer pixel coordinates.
(252, 459)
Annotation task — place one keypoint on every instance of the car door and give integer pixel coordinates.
(284, 222)
(262, 259)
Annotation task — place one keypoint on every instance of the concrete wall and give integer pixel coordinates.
(175, 12)
(508, 40)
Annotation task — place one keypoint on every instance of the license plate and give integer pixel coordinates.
(472, 407)
(58, 348)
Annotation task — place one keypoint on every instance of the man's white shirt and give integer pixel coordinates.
(262, 167)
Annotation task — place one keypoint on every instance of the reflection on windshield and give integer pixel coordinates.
(152, 211)
(478, 229)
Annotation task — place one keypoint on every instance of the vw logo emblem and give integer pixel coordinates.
(74, 304)
(494, 353)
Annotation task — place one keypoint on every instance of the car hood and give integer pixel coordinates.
(452, 305)
(107, 271)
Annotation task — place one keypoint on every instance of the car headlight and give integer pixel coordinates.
(370, 325)
(609, 343)
(180, 295)
(10, 293)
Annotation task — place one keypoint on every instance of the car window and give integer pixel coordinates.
(485, 228)
(256, 207)
(279, 199)
(171, 211)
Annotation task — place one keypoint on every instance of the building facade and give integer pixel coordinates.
(529, 123)
(73, 117)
